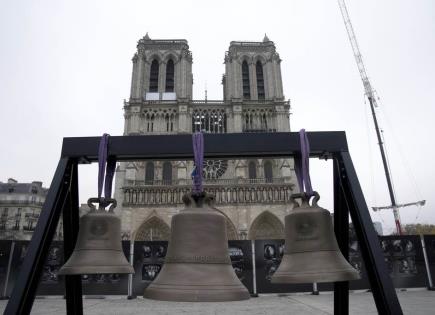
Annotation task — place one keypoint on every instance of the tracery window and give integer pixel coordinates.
(245, 81)
(260, 80)
(252, 170)
(258, 120)
(169, 87)
(154, 76)
(169, 120)
(149, 173)
(150, 122)
(268, 174)
(167, 173)
(209, 120)
(213, 169)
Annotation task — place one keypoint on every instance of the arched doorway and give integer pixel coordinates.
(154, 229)
(266, 226)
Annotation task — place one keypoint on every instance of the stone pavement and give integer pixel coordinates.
(413, 301)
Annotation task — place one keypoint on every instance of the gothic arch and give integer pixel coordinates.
(266, 226)
(170, 55)
(246, 58)
(155, 55)
(153, 229)
(260, 58)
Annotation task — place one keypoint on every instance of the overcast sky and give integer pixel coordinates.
(65, 68)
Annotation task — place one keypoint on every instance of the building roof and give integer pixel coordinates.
(13, 187)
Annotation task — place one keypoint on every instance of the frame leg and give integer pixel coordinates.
(23, 295)
(341, 228)
(382, 287)
(73, 283)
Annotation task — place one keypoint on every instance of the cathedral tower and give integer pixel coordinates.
(162, 70)
(253, 72)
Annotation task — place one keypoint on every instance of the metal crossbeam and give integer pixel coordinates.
(226, 145)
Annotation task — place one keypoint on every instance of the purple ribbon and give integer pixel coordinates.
(106, 168)
(198, 153)
(302, 165)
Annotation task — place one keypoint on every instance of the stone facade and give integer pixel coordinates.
(20, 207)
(252, 193)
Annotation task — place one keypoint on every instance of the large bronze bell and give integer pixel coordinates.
(311, 251)
(197, 265)
(98, 248)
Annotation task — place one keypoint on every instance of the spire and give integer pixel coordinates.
(266, 39)
(147, 37)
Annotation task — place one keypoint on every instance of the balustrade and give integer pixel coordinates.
(248, 194)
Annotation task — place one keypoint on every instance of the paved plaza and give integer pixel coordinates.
(415, 302)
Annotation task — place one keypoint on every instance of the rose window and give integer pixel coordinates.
(213, 169)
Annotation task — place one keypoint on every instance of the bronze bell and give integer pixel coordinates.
(98, 248)
(311, 251)
(197, 265)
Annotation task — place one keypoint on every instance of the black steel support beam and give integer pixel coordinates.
(25, 287)
(230, 145)
(73, 283)
(341, 228)
(381, 284)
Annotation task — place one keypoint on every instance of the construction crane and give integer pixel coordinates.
(370, 93)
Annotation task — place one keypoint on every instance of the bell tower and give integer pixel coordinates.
(162, 70)
(252, 72)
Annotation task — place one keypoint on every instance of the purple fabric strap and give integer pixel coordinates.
(198, 153)
(302, 165)
(106, 168)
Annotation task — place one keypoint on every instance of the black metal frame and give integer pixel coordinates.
(63, 197)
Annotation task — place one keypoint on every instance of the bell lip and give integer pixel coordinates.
(228, 294)
(89, 270)
(318, 277)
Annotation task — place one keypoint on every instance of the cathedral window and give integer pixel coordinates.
(209, 120)
(149, 173)
(154, 76)
(260, 80)
(150, 122)
(167, 173)
(268, 174)
(252, 170)
(169, 76)
(245, 81)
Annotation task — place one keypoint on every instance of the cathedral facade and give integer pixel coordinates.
(253, 194)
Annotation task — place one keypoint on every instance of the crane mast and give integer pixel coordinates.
(369, 92)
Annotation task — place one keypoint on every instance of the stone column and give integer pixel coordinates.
(177, 78)
(183, 77)
(146, 78)
(253, 81)
(237, 118)
(281, 119)
(134, 119)
(140, 77)
(269, 80)
(134, 76)
(184, 125)
(126, 122)
(230, 120)
(280, 93)
(162, 75)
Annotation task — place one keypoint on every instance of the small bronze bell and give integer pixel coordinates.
(98, 248)
(311, 251)
(197, 265)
